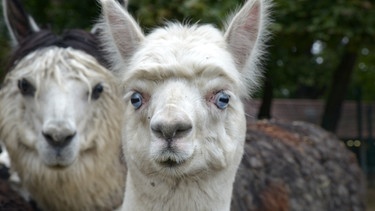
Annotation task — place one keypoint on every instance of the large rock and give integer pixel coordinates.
(297, 166)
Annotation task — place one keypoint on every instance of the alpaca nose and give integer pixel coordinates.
(58, 134)
(171, 122)
(170, 130)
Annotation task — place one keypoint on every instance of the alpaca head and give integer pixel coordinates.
(55, 95)
(51, 100)
(183, 89)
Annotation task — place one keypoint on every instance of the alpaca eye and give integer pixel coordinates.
(137, 100)
(96, 91)
(26, 88)
(222, 100)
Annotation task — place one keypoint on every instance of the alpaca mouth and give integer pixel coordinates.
(58, 167)
(58, 158)
(170, 163)
(170, 158)
(58, 163)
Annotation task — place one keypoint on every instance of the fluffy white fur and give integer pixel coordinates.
(86, 174)
(183, 149)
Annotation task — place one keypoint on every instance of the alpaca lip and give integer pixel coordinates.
(58, 158)
(58, 167)
(59, 164)
(170, 158)
(170, 163)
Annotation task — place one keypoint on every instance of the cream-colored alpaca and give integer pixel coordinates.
(60, 118)
(183, 89)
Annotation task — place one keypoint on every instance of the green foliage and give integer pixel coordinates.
(325, 20)
(339, 25)
(155, 13)
(59, 14)
(364, 76)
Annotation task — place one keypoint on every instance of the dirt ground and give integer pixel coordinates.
(371, 199)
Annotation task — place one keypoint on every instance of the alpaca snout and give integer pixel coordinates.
(58, 133)
(171, 123)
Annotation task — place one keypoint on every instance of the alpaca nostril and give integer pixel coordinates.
(171, 130)
(58, 139)
(183, 128)
(157, 130)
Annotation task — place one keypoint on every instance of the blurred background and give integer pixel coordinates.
(320, 67)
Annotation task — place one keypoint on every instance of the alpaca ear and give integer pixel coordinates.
(97, 28)
(245, 33)
(121, 33)
(19, 23)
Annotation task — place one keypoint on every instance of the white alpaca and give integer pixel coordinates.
(60, 118)
(184, 86)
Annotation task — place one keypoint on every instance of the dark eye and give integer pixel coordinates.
(222, 100)
(96, 91)
(136, 99)
(26, 88)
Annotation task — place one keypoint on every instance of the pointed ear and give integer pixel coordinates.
(121, 34)
(97, 28)
(246, 33)
(19, 23)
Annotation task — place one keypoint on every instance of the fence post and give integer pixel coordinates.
(362, 148)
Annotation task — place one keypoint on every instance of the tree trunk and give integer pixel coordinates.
(265, 107)
(339, 85)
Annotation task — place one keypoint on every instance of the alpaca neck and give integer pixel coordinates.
(208, 192)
